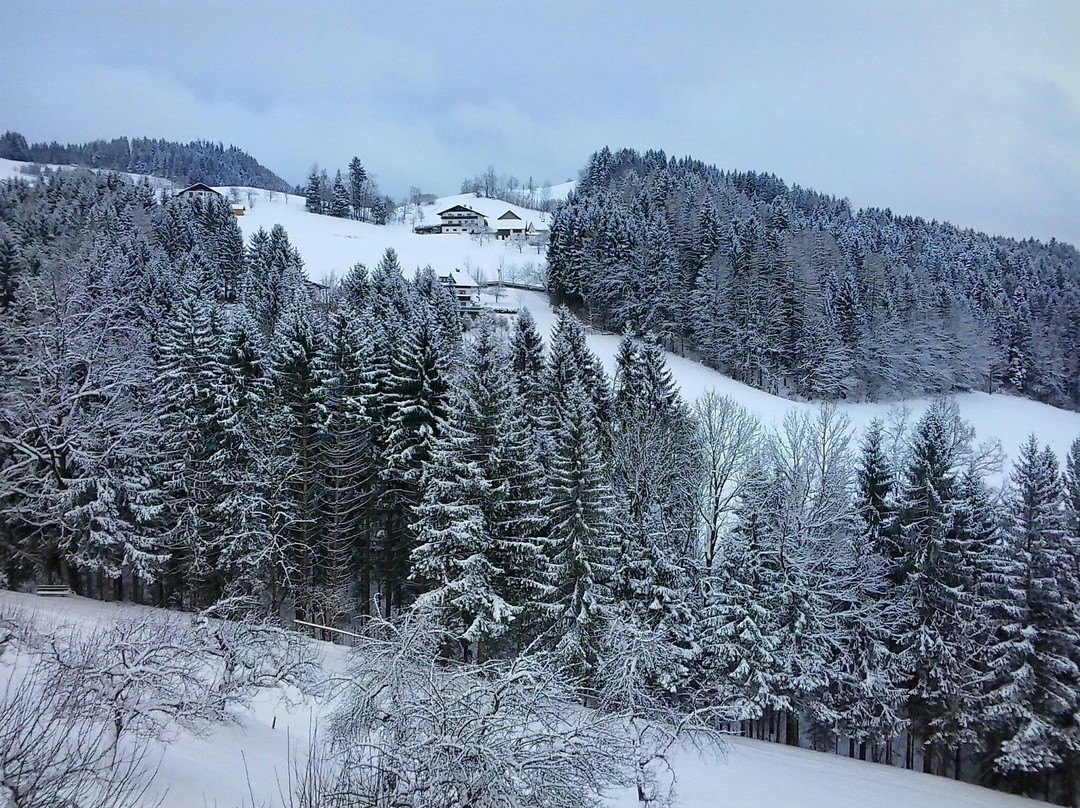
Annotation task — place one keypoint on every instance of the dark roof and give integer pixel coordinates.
(458, 207)
(510, 215)
(199, 187)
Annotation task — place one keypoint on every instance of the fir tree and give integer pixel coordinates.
(340, 206)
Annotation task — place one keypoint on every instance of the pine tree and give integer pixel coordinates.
(1033, 687)
(313, 192)
(340, 206)
(302, 386)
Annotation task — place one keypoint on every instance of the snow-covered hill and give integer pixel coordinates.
(1009, 419)
(253, 759)
(331, 246)
(14, 169)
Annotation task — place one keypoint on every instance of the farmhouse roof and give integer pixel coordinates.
(457, 208)
(199, 186)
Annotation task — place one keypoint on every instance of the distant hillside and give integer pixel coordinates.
(186, 163)
(794, 292)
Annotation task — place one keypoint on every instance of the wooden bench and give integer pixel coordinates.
(53, 590)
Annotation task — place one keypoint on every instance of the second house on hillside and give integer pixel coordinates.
(510, 225)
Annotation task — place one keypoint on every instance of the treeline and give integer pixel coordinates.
(184, 424)
(184, 163)
(509, 188)
(792, 291)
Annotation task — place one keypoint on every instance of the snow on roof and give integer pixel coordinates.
(458, 278)
(199, 187)
(457, 208)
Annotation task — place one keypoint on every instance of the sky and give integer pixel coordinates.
(965, 111)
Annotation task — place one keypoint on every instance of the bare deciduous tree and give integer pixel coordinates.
(729, 436)
(53, 753)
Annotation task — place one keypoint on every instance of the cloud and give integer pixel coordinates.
(960, 111)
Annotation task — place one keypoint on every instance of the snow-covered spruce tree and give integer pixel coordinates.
(358, 190)
(529, 381)
(938, 640)
(313, 191)
(415, 399)
(340, 205)
(653, 474)
(869, 694)
(243, 464)
(738, 667)
(437, 296)
(1033, 678)
(479, 550)
(581, 539)
(186, 400)
(571, 362)
(1072, 495)
(349, 475)
(273, 271)
(302, 383)
(11, 265)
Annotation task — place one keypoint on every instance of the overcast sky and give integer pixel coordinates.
(966, 111)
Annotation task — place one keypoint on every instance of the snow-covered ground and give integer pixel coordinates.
(332, 246)
(255, 755)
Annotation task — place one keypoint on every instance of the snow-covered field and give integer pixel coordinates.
(332, 246)
(255, 755)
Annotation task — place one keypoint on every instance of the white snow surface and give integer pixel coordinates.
(256, 755)
(331, 246)
(12, 169)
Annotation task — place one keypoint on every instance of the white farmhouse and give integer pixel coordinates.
(199, 191)
(460, 219)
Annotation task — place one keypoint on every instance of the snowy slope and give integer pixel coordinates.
(1009, 419)
(331, 246)
(262, 748)
(11, 169)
